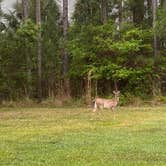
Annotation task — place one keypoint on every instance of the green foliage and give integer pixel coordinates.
(161, 23)
(18, 58)
(28, 31)
(117, 52)
(13, 64)
(110, 56)
(87, 12)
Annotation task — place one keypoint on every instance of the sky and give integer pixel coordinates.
(7, 5)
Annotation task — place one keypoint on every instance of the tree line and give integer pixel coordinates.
(107, 45)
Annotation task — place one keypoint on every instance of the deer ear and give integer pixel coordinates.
(114, 92)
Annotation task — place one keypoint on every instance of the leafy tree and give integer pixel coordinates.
(107, 42)
(18, 40)
(108, 57)
(87, 12)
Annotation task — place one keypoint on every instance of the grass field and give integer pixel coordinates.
(78, 137)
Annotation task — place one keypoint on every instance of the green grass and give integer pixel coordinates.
(78, 137)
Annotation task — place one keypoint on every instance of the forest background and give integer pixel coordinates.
(104, 45)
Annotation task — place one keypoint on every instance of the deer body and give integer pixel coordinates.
(106, 103)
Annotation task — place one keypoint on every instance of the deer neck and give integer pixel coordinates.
(116, 98)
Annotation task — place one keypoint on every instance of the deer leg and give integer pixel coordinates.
(101, 106)
(95, 107)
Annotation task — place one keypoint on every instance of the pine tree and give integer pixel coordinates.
(65, 54)
(39, 49)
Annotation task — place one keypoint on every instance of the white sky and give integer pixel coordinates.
(7, 5)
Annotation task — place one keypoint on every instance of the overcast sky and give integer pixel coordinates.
(7, 5)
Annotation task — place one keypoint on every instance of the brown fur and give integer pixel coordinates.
(107, 103)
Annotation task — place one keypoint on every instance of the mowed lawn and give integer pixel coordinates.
(78, 137)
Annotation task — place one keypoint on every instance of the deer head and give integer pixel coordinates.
(116, 92)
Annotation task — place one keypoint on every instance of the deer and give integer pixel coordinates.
(107, 103)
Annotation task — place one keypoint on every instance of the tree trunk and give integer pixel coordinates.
(89, 88)
(138, 11)
(120, 4)
(96, 88)
(25, 9)
(154, 9)
(104, 11)
(65, 54)
(29, 74)
(39, 49)
(162, 2)
(157, 81)
(115, 85)
(149, 8)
